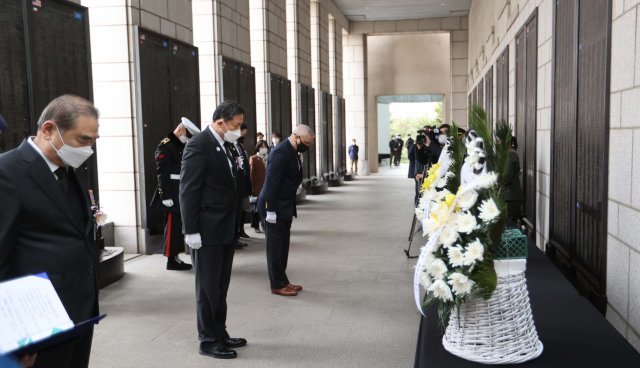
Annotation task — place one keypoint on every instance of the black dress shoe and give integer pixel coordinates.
(242, 244)
(245, 235)
(174, 265)
(231, 342)
(217, 350)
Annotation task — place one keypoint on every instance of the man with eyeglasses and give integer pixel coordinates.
(277, 204)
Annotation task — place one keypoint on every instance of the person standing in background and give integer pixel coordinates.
(244, 185)
(168, 158)
(258, 164)
(260, 138)
(353, 156)
(208, 202)
(393, 150)
(512, 193)
(410, 142)
(275, 140)
(411, 156)
(400, 145)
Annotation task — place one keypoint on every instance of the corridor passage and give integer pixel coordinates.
(356, 309)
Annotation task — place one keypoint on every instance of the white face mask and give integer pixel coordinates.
(231, 136)
(72, 156)
(263, 151)
(442, 139)
(183, 139)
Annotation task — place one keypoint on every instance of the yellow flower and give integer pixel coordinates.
(432, 175)
(449, 199)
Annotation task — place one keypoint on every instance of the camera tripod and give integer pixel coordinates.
(415, 220)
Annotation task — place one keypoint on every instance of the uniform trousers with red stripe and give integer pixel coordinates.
(173, 237)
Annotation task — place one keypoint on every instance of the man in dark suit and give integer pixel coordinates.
(168, 157)
(208, 203)
(395, 150)
(277, 203)
(244, 185)
(46, 224)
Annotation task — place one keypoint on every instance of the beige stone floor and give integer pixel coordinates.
(356, 310)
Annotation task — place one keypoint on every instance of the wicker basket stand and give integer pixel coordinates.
(499, 330)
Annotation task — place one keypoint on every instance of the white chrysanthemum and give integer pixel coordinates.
(441, 290)
(419, 213)
(423, 201)
(488, 210)
(475, 252)
(456, 258)
(438, 269)
(441, 195)
(441, 183)
(425, 280)
(465, 222)
(467, 199)
(430, 226)
(428, 260)
(486, 180)
(460, 284)
(448, 236)
(438, 217)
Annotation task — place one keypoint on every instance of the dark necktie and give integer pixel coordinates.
(63, 179)
(228, 147)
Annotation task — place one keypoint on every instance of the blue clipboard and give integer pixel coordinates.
(58, 338)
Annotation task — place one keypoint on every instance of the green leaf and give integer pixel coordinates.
(485, 278)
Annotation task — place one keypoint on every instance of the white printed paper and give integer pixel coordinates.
(30, 310)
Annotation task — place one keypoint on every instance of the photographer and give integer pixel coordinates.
(423, 158)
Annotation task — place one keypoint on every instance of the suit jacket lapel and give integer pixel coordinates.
(81, 179)
(44, 178)
(220, 154)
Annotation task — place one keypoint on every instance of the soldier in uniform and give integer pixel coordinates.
(168, 159)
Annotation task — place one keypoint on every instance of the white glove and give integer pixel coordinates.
(193, 240)
(168, 202)
(271, 217)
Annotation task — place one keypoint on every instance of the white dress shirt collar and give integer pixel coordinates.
(53, 167)
(215, 134)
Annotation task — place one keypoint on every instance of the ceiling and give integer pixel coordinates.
(359, 10)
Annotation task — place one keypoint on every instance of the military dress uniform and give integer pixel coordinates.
(168, 157)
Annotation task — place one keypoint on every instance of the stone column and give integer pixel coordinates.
(319, 70)
(221, 28)
(355, 87)
(268, 50)
(298, 52)
(112, 26)
(459, 59)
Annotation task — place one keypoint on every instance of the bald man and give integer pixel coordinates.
(277, 204)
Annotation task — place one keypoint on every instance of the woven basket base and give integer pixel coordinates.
(499, 330)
